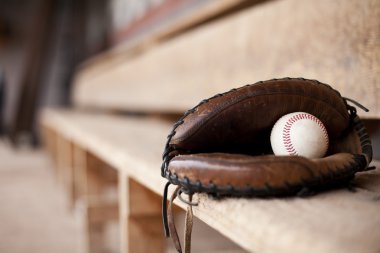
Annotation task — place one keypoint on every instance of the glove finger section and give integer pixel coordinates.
(239, 121)
(243, 172)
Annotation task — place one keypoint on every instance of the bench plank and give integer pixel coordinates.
(336, 221)
(335, 42)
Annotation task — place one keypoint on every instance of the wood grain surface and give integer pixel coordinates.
(335, 221)
(336, 42)
(135, 46)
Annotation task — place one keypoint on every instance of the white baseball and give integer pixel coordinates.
(300, 134)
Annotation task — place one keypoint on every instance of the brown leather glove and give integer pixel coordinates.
(222, 145)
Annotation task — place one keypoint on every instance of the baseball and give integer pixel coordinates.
(300, 134)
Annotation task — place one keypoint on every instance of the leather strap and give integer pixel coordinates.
(172, 228)
(188, 226)
(165, 210)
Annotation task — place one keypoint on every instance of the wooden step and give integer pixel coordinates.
(335, 42)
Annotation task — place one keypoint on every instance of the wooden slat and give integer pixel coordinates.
(336, 221)
(160, 22)
(332, 41)
(136, 46)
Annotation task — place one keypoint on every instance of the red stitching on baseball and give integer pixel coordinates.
(286, 131)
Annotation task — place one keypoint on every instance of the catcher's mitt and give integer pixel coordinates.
(222, 145)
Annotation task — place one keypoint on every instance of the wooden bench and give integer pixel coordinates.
(337, 221)
(111, 162)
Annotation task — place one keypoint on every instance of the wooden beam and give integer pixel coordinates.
(66, 170)
(49, 139)
(332, 41)
(99, 208)
(80, 178)
(140, 218)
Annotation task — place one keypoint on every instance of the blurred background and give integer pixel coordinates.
(49, 48)
(42, 45)
(42, 42)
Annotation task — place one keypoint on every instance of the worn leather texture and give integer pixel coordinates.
(222, 145)
(239, 119)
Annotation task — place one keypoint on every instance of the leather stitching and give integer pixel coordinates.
(288, 125)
